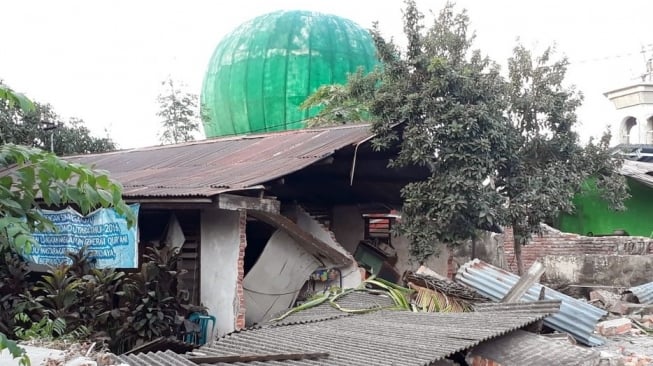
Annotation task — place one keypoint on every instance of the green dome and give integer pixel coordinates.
(261, 73)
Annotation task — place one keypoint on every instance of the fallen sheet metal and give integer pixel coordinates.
(575, 317)
(643, 292)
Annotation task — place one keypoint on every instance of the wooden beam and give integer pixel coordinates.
(235, 202)
(525, 282)
(252, 358)
(313, 245)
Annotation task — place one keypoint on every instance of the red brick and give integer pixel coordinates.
(614, 327)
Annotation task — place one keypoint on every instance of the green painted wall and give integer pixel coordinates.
(593, 215)
(260, 73)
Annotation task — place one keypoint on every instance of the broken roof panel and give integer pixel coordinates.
(209, 167)
(638, 170)
(383, 337)
(643, 292)
(524, 348)
(156, 359)
(550, 306)
(575, 317)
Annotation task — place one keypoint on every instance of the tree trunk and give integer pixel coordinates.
(517, 242)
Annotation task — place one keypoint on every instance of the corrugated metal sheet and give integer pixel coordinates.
(380, 338)
(638, 170)
(548, 306)
(209, 167)
(575, 317)
(643, 292)
(167, 358)
(523, 348)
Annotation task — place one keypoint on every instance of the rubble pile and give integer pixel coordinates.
(82, 354)
(628, 329)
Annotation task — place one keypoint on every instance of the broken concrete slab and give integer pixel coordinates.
(614, 327)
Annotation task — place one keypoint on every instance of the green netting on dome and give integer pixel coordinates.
(261, 72)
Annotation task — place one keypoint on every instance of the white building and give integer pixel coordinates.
(634, 106)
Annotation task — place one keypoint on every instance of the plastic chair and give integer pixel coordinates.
(200, 337)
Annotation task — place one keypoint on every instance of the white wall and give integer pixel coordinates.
(220, 240)
(272, 285)
(349, 229)
(351, 276)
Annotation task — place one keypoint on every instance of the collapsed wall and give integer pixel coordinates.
(556, 243)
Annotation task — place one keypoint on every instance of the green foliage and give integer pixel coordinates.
(41, 127)
(548, 165)
(37, 174)
(15, 99)
(13, 284)
(404, 299)
(77, 302)
(449, 99)
(342, 104)
(46, 328)
(15, 351)
(155, 306)
(501, 151)
(179, 114)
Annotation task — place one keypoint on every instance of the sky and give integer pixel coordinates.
(104, 61)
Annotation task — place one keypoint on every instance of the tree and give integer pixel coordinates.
(449, 100)
(30, 177)
(178, 113)
(500, 152)
(40, 126)
(548, 166)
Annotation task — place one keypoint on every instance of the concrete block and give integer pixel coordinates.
(614, 327)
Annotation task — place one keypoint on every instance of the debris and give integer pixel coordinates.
(614, 327)
(606, 298)
(610, 359)
(430, 279)
(576, 317)
(81, 361)
(627, 308)
(643, 293)
(525, 282)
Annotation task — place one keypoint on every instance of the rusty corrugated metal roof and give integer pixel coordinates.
(209, 167)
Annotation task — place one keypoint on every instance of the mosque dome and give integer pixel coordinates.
(261, 73)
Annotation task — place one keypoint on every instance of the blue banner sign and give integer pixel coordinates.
(110, 242)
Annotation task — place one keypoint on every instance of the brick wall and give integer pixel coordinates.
(240, 314)
(480, 361)
(555, 242)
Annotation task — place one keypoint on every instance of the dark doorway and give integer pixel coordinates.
(258, 233)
